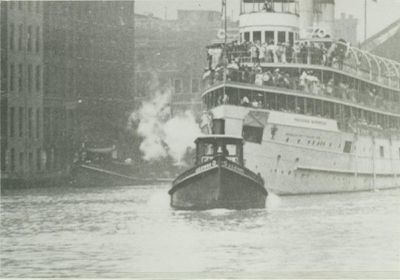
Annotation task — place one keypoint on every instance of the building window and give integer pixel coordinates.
(12, 5)
(29, 6)
(178, 86)
(12, 77)
(12, 31)
(20, 7)
(20, 77)
(29, 38)
(37, 42)
(38, 78)
(37, 6)
(20, 34)
(382, 151)
(46, 123)
(195, 85)
(30, 122)
(21, 161)
(12, 159)
(12, 121)
(38, 162)
(37, 123)
(30, 161)
(30, 78)
(21, 122)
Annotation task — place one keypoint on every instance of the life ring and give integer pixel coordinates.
(221, 34)
(320, 33)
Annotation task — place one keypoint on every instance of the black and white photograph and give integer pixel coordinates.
(200, 139)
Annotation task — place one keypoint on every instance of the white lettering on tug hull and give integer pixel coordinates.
(232, 167)
(206, 167)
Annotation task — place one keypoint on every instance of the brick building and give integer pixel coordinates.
(67, 78)
(88, 75)
(22, 153)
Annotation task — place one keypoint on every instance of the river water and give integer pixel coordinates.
(120, 232)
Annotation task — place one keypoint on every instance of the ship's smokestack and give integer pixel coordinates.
(316, 14)
(325, 16)
(306, 12)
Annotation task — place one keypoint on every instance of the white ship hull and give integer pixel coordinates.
(313, 156)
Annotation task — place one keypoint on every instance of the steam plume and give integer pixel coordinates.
(164, 136)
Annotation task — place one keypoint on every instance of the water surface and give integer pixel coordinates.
(117, 232)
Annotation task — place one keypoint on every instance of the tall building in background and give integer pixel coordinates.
(88, 75)
(346, 28)
(22, 155)
(170, 54)
(67, 81)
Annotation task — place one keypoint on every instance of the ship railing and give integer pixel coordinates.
(355, 61)
(286, 7)
(310, 85)
(359, 127)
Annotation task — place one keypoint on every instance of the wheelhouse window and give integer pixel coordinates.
(218, 126)
(256, 36)
(382, 151)
(246, 36)
(208, 149)
(253, 134)
(281, 37)
(291, 38)
(178, 86)
(230, 151)
(347, 147)
(195, 85)
(269, 36)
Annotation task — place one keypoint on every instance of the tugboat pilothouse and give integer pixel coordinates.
(317, 115)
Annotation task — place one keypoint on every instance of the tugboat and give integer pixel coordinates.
(219, 178)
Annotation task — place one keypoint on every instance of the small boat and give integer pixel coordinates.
(219, 178)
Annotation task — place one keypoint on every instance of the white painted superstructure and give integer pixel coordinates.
(306, 154)
(322, 121)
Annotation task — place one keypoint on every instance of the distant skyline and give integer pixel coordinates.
(380, 14)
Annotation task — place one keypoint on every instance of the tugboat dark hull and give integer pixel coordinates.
(218, 184)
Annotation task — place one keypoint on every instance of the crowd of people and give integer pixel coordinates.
(351, 123)
(307, 82)
(305, 52)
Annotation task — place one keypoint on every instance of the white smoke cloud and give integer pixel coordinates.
(164, 136)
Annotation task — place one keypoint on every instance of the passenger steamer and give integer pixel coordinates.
(323, 118)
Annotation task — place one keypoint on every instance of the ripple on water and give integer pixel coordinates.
(110, 232)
